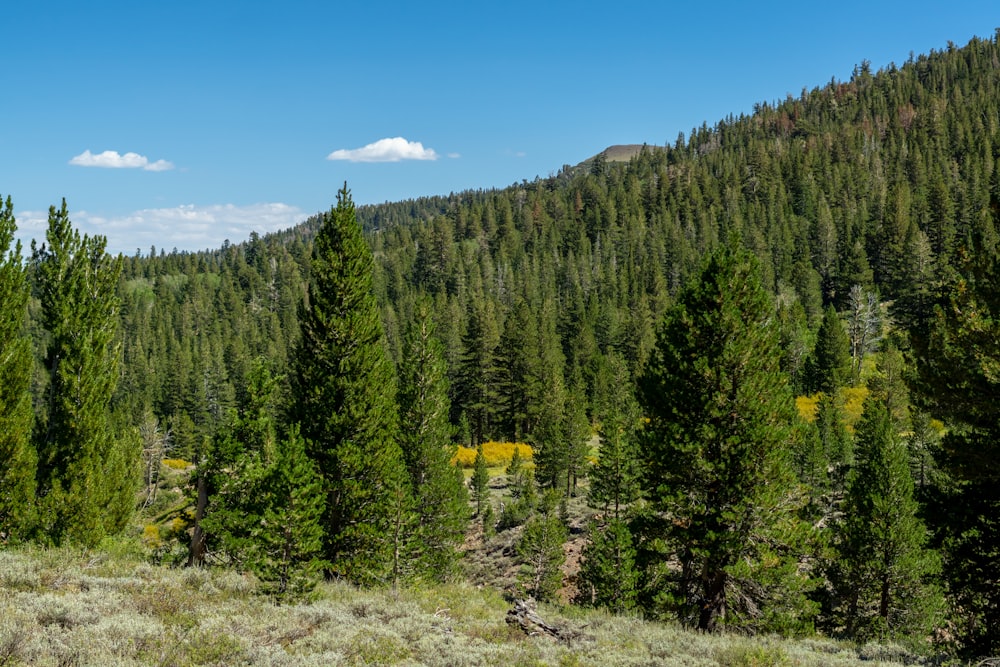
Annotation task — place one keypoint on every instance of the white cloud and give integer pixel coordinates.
(187, 227)
(386, 150)
(454, 155)
(112, 160)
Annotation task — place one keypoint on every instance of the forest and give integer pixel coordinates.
(762, 363)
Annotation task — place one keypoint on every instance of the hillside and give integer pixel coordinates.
(840, 247)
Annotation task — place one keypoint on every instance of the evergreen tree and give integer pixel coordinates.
(829, 367)
(884, 567)
(478, 371)
(614, 481)
(835, 439)
(576, 438)
(242, 453)
(344, 399)
(540, 550)
(441, 499)
(523, 496)
(716, 453)
(608, 573)
(549, 437)
(87, 473)
(958, 354)
(17, 455)
(286, 544)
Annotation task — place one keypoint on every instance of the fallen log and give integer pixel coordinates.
(524, 614)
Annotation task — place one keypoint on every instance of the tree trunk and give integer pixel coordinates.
(196, 555)
(713, 607)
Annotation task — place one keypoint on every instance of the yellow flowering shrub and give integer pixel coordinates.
(151, 536)
(497, 454)
(177, 464)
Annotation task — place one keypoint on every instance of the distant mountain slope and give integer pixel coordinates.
(880, 181)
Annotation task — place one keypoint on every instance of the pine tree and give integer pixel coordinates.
(17, 455)
(548, 439)
(478, 371)
(523, 497)
(958, 353)
(540, 550)
(614, 481)
(576, 433)
(716, 452)
(829, 366)
(344, 399)
(608, 573)
(87, 473)
(241, 454)
(287, 542)
(884, 567)
(441, 499)
(835, 439)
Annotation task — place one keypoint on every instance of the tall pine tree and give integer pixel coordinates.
(344, 397)
(716, 453)
(441, 499)
(883, 567)
(87, 474)
(17, 455)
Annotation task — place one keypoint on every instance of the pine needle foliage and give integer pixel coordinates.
(615, 479)
(540, 550)
(608, 574)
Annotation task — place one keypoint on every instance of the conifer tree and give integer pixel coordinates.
(344, 397)
(232, 477)
(958, 353)
(608, 573)
(441, 499)
(523, 497)
(265, 499)
(829, 366)
(614, 481)
(17, 455)
(835, 439)
(476, 386)
(540, 550)
(87, 473)
(716, 453)
(286, 544)
(884, 567)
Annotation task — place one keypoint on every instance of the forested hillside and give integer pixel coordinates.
(839, 246)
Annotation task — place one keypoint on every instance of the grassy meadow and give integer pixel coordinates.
(111, 607)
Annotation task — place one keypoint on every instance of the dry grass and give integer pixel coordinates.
(109, 608)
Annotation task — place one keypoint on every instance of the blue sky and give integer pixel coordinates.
(181, 124)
